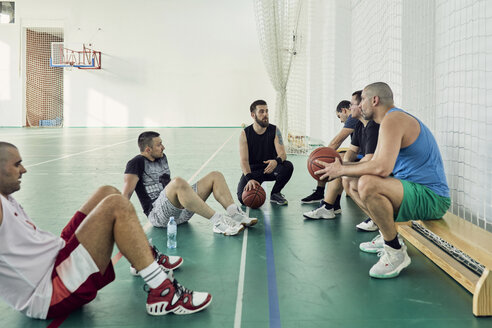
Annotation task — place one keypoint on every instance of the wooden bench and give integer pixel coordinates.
(470, 239)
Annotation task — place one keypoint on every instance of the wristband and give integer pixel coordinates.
(249, 176)
(279, 160)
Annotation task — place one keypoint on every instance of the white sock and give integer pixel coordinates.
(232, 209)
(215, 217)
(153, 275)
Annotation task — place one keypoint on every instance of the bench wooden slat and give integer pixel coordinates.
(452, 267)
(464, 235)
(472, 240)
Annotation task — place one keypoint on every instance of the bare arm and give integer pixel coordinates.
(351, 154)
(391, 134)
(279, 145)
(280, 149)
(340, 137)
(244, 153)
(129, 185)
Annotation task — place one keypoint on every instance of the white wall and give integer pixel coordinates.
(165, 62)
(10, 88)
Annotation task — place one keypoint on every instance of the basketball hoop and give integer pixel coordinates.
(74, 55)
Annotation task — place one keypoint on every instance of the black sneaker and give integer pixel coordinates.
(315, 197)
(278, 198)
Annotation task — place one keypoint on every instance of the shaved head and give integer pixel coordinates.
(381, 90)
(4, 153)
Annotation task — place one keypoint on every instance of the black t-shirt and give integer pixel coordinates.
(152, 178)
(366, 138)
(261, 147)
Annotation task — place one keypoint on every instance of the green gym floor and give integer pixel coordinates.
(283, 272)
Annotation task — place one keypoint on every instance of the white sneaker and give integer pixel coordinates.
(227, 226)
(320, 213)
(376, 245)
(391, 262)
(241, 217)
(367, 225)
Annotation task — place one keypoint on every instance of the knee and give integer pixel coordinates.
(108, 190)
(178, 183)
(116, 204)
(215, 175)
(367, 186)
(288, 166)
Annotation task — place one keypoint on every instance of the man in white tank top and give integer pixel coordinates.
(46, 276)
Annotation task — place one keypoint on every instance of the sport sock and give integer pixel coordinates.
(327, 205)
(320, 190)
(153, 275)
(215, 217)
(337, 201)
(232, 209)
(395, 243)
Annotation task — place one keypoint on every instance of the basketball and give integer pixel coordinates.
(324, 154)
(254, 198)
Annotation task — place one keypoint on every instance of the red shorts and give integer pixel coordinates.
(80, 275)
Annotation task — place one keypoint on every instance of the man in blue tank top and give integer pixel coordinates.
(263, 156)
(418, 190)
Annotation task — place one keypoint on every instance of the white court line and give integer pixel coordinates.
(148, 225)
(240, 284)
(76, 154)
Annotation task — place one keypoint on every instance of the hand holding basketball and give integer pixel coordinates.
(255, 197)
(330, 170)
(319, 159)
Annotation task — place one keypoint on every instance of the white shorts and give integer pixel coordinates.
(163, 209)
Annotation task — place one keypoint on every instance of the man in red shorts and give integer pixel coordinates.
(46, 276)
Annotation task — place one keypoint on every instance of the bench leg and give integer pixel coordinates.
(482, 297)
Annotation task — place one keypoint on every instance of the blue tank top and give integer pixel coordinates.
(421, 162)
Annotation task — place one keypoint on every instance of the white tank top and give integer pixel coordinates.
(27, 257)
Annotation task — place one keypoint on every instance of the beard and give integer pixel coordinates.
(263, 124)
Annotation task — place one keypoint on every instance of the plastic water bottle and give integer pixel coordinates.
(172, 233)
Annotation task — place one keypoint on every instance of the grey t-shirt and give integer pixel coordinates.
(153, 178)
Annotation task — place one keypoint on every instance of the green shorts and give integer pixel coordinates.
(421, 203)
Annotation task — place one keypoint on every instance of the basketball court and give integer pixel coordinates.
(80, 82)
(284, 271)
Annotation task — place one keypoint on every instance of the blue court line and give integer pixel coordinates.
(273, 307)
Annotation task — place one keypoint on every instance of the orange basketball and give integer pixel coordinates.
(324, 154)
(255, 197)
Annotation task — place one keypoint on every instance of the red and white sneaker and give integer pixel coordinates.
(166, 262)
(170, 296)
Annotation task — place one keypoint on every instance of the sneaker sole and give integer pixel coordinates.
(367, 230)
(370, 250)
(307, 217)
(311, 201)
(251, 223)
(179, 310)
(229, 234)
(393, 273)
(278, 203)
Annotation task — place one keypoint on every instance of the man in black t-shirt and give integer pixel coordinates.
(162, 198)
(263, 156)
(364, 141)
(344, 115)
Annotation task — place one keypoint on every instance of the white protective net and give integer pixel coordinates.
(280, 27)
(435, 54)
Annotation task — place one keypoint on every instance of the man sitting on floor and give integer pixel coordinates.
(418, 190)
(46, 276)
(161, 198)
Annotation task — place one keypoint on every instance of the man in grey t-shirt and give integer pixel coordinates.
(149, 175)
